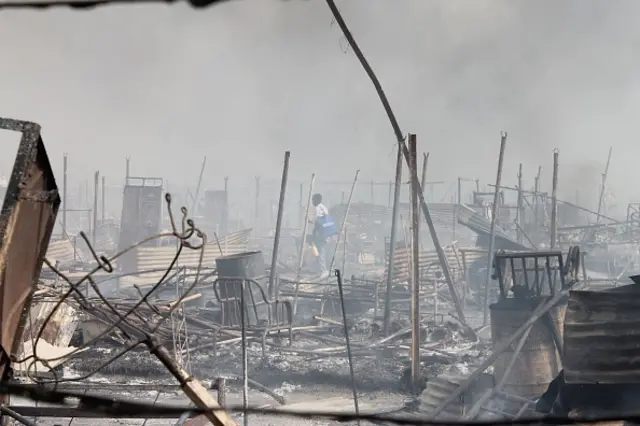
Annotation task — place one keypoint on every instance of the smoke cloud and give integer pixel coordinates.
(244, 81)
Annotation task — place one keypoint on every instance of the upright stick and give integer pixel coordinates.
(519, 210)
(104, 186)
(257, 202)
(303, 243)
(415, 266)
(425, 162)
(492, 238)
(96, 183)
(536, 208)
(554, 201)
(195, 198)
(276, 240)
(392, 241)
(64, 197)
(344, 220)
(602, 189)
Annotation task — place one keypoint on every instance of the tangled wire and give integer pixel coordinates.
(184, 236)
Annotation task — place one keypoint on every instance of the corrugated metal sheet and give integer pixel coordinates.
(601, 336)
(430, 264)
(60, 251)
(159, 257)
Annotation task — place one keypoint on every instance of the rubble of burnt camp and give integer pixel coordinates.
(505, 303)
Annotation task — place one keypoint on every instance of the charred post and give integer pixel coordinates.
(276, 240)
(392, 241)
(415, 266)
(492, 237)
(554, 201)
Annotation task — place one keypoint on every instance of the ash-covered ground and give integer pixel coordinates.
(314, 367)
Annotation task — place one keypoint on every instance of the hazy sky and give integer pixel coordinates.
(245, 81)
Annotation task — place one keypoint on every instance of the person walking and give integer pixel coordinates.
(323, 228)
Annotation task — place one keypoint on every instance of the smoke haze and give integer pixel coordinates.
(244, 81)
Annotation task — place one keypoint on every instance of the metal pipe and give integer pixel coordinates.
(392, 241)
(302, 243)
(276, 240)
(344, 220)
(64, 197)
(492, 238)
(346, 336)
(554, 201)
(415, 267)
(127, 170)
(245, 361)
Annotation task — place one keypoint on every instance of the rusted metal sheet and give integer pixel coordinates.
(26, 222)
(538, 363)
(602, 337)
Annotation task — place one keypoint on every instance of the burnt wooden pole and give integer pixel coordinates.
(303, 242)
(301, 208)
(519, 210)
(276, 240)
(257, 203)
(372, 193)
(225, 212)
(492, 238)
(415, 266)
(343, 226)
(554, 201)
(392, 241)
(536, 207)
(602, 189)
(104, 186)
(425, 162)
(194, 205)
(96, 183)
(64, 197)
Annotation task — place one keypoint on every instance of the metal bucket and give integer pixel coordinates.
(539, 362)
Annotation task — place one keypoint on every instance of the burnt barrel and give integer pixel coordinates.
(231, 270)
(538, 363)
(242, 265)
